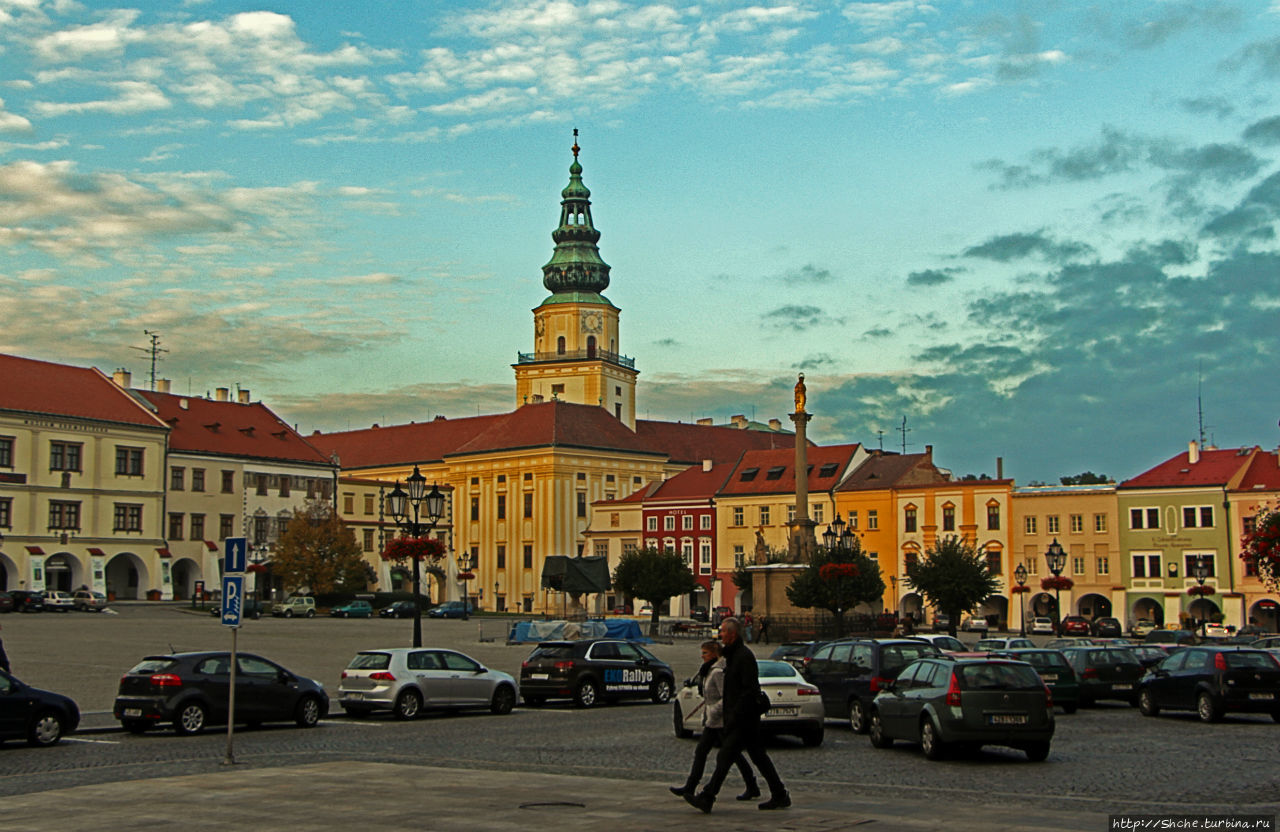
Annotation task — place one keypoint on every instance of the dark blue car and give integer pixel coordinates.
(450, 609)
(38, 716)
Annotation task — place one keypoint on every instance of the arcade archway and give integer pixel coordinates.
(127, 577)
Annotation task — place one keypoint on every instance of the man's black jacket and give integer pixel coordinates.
(741, 684)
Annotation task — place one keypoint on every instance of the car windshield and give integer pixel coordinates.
(775, 670)
(1250, 659)
(1118, 655)
(990, 644)
(153, 664)
(645, 653)
(1044, 658)
(552, 651)
(370, 661)
(998, 676)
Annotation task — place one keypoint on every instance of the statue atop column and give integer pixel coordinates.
(800, 394)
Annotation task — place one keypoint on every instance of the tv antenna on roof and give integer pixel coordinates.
(1200, 402)
(154, 351)
(904, 430)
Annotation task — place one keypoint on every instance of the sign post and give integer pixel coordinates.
(232, 610)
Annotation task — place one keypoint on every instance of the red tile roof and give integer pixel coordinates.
(62, 390)
(893, 470)
(1215, 467)
(401, 444)
(692, 484)
(775, 470)
(1263, 473)
(230, 429)
(689, 444)
(556, 423)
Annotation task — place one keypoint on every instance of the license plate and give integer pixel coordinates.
(539, 676)
(1263, 696)
(792, 710)
(1049, 677)
(353, 695)
(1122, 687)
(133, 712)
(1007, 719)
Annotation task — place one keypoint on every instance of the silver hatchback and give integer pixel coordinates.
(409, 680)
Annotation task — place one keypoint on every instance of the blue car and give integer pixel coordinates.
(450, 609)
(353, 609)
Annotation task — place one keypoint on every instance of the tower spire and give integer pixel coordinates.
(575, 265)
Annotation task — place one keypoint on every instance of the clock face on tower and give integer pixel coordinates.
(591, 322)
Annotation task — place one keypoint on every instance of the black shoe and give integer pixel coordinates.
(780, 801)
(680, 791)
(751, 793)
(700, 802)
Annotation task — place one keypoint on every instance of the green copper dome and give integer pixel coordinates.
(575, 265)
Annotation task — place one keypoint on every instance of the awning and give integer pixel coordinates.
(211, 546)
(97, 553)
(35, 550)
(164, 553)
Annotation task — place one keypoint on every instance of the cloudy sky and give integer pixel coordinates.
(1031, 230)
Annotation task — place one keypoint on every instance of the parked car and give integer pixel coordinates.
(1169, 637)
(942, 704)
(591, 670)
(1074, 625)
(1105, 673)
(1040, 625)
(409, 680)
(87, 600)
(1212, 681)
(1010, 643)
(699, 614)
(1151, 655)
(941, 623)
(850, 672)
(1214, 629)
(1107, 627)
(1266, 643)
(352, 609)
(25, 600)
(295, 606)
(38, 716)
(450, 609)
(56, 600)
(621, 609)
(6, 602)
(398, 609)
(1054, 669)
(942, 641)
(1142, 627)
(1070, 641)
(795, 653)
(249, 608)
(795, 706)
(975, 624)
(190, 691)
(719, 614)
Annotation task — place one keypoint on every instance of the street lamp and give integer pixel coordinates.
(465, 566)
(1057, 559)
(399, 502)
(1200, 571)
(1020, 575)
(257, 557)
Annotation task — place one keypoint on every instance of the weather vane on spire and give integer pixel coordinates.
(575, 143)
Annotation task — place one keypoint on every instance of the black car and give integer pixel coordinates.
(6, 602)
(591, 670)
(1212, 681)
(38, 716)
(251, 608)
(850, 672)
(798, 654)
(27, 601)
(1107, 627)
(1105, 673)
(190, 691)
(1054, 669)
(400, 609)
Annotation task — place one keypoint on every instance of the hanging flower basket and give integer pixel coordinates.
(413, 548)
(1019, 589)
(1261, 548)
(1058, 582)
(1206, 589)
(835, 571)
(256, 568)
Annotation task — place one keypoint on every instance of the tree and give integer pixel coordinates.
(653, 575)
(837, 580)
(319, 553)
(1087, 478)
(953, 578)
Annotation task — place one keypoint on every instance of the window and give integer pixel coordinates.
(228, 482)
(686, 551)
(909, 520)
(502, 506)
(1250, 524)
(128, 461)
(909, 560)
(817, 513)
(197, 527)
(686, 522)
(1052, 525)
(197, 479)
(738, 518)
(65, 456)
(528, 556)
(368, 540)
(64, 515)
(828, 469)
(873, 520)
(1077, 523)
(739, 557)
(348, 504)
(285, 482)
(175, 525)
(668, 523)
(651, 524)
(948, 518)
(1029, 524)
(704, 522)
(774, 473)
(475, 509)
(502, 556)
(368, 505)
(628, 545)
(1189, 561)
(528, 505)
(993, 517)
(1104, 566)
(993, 562)
(1077, 566)
(582, 504)
(602, 548)
(791, 513)
(1099, 522)
(557, 390)
(1197, 517)
(853, 519)
(261, 485)
(128, 517)
(764, 515)
(748, 475)
(704, 556)
(6, 452)
(1144, 518)
(1033, 565)
(177, 478)
(226, 526)
(1146, 566)
(560, 345)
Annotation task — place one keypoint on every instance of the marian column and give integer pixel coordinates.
(803, 542)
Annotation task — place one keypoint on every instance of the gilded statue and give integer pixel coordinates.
(800, 394)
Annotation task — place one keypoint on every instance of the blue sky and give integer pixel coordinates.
(1032, 229)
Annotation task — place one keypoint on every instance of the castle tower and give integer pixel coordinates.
(576, 355)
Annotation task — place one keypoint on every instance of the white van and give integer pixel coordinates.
(302, 606)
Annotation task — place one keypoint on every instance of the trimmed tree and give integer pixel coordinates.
(953, 578)
(318, 552)
(653, 575)
(837, 580)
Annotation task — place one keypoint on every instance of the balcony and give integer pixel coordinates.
(576, 355)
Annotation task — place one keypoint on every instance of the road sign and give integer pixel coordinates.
(232, 599)
(234, 560)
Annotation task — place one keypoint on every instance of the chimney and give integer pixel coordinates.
(928, 451)
(1193, 452)
(775, 424)
(739, 421)
(122, 377)
(242, 396)
(706, 423)
(222, 394)
(706, 465)
(999, 467)
(162, 385)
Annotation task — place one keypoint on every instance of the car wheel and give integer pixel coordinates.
(930, 743)
(288, 613)
(1037, 752)
(504, 699)
(311, 613)
(661, 692)
(1207, 709)
(813, 737)
(857, 716)
(878, 737)
(1070, 707)
(190, 719)
(677, 722)
(135, 726)
(1147, 704)
(256, 616)
(408, 704)
(587, 695)
(307, 714)
(45, 730)
(535, 701)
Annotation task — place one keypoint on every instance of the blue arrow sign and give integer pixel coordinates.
(234, 560)
(232, 599)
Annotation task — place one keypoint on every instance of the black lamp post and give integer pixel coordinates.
(1057, 558)
(399, 502)
(1200, 571)
(1020, 575)
(464, 569)
(838, 538)
(257, 557)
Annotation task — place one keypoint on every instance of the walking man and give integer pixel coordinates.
(711, 680)
(741, 723)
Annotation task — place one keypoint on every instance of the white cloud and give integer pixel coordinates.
(132, 97)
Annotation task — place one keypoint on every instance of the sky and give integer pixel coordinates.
(1043, 232)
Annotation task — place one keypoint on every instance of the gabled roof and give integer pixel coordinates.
(62, 390)
(692, 484)
(227, 428)
(401, 444)
(892, 470)
(773, 471)
(556, 423)
(1213, 468)
(1263, 473)
(690, 444)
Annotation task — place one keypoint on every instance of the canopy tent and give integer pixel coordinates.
(576, 576)
(532, 631)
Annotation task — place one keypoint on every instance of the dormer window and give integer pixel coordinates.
(775, 473)
(828, 470)
(749, 475)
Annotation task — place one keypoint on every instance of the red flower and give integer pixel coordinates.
(1200, 590)
(1019, 589)
(1058, 582)
(256, 568)
(405, 548)
(835, 571)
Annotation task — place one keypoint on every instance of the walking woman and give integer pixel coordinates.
(712, 683)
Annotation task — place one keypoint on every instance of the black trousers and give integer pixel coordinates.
(714, 738)
(745, 735)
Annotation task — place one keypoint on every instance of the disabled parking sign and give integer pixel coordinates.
(232, 599)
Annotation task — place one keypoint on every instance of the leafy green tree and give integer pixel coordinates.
(653, 575)
(837, 580)
(952, 577)
(1086, 478)
(317, 552)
